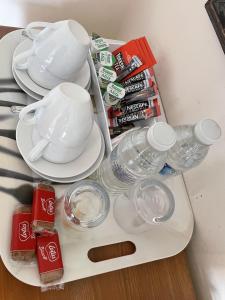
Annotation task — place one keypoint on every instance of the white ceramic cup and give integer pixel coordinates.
(57, 54)
(62, 122)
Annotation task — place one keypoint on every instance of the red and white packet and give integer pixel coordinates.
(43, 209)
(49, 257)
(138, 47)
(23, 241)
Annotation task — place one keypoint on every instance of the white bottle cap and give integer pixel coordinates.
(207, 131)
(161, 136)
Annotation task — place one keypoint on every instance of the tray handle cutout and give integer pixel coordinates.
(110, 251)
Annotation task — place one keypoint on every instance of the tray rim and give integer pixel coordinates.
(126, 261)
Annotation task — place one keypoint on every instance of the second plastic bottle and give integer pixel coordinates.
(192, 146)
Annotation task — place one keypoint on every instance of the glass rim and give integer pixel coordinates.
(104, 199)
(162, 186)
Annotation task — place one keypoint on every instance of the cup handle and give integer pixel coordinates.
(27, 31)
(37, 151)
(19, 57)
(26, 110)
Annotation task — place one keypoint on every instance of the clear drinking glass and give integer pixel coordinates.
(86, 204)
(149, 202)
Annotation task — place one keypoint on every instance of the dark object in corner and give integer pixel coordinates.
(216, 12)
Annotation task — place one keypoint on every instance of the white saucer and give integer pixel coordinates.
(8, 43)
(81, 176)
(33, 94)
(71, 169)
(82, 78)
(25, 89)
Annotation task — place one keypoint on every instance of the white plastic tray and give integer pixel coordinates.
(158, 243)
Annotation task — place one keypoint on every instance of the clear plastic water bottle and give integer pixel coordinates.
(192, 146)
(141, 153)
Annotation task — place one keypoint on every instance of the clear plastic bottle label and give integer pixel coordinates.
(119, 172)
(167, 170)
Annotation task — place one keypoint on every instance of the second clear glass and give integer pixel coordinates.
(148, 203)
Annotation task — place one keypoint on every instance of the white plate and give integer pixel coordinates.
(25, 89)
(81, 176)
(33, 94)
(8, 44)
(81, 79)
(71, 169)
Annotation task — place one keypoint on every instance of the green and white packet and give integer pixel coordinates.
(110, 100)
(99, 44)
(106, 59)
(116, 90)
(103, 59)
(103, 83)
(107, 74)
(114, 93)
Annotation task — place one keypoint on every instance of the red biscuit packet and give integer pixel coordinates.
(49, 257)
(43, 210)
(23, 240)
(138, 47)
